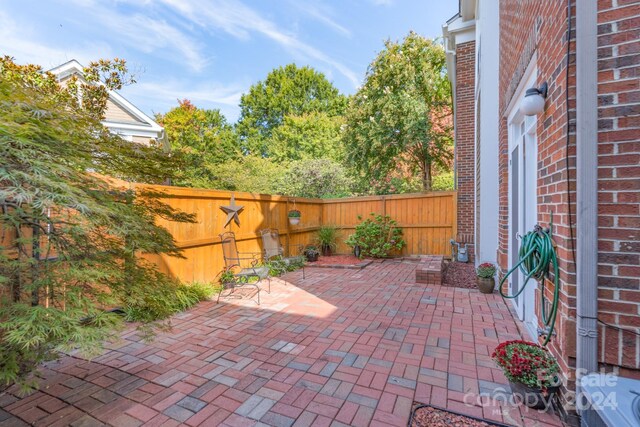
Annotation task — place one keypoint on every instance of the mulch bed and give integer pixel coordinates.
(460, 275)
(340, 261)
(429, 416)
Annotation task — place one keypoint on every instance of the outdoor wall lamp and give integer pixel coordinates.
(533, 102)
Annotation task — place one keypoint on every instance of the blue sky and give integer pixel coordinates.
(211, 51)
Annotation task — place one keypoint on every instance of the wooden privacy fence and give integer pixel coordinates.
(428, 221)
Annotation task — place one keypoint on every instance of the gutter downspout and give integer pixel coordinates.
(586, 196)
(450, 57)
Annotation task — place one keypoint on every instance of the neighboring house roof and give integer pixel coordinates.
(121, 117)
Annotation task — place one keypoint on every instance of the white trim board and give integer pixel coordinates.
(73, 67)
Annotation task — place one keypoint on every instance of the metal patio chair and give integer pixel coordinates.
(273, 250)
(243, 267)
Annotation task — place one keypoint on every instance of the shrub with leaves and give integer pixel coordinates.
(315, 178)
(278, 267)
(69, 236)
(327, 238)
(377, 236)
(161, 299)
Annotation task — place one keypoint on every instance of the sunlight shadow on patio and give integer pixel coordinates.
(286, 297)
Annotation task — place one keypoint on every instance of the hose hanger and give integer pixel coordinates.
(537, 254)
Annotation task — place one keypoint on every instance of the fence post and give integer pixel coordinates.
(287, 237)
(384, 206)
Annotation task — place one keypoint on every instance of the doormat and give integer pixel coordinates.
(433, 416)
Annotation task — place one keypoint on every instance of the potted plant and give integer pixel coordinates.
(311, 253)
(326, 239)
(485, 277)
(531, 370)
(378, 236)
(294, 216)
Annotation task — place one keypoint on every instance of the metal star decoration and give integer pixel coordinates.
(232, 211)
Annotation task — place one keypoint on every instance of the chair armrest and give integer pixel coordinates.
(251, 254)
(254, 257)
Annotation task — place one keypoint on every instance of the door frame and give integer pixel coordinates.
(522, 135)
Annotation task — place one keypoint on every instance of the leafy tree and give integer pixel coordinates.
(69, 235)
(402, 114)
(318, 178)
(203, 138)
(288, 90)
(443, 182)
(309, 136)
(253, 174)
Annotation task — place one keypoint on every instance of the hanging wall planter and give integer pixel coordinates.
(294, 217)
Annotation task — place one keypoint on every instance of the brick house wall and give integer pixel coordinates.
(619, 183)
(540, 28)
(464, 109)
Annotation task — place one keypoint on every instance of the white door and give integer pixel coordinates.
(523, 209)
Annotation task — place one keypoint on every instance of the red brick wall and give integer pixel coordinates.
(465, 141)
(619, 181)
(531, 26)
(540, 27)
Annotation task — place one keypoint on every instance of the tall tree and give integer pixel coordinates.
(402, 113)
(318, 178)
(309, 136)
(288, 90)
(203, 138)
(253, 174)
(69, 236)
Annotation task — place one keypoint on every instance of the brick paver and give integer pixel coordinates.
(342, 347)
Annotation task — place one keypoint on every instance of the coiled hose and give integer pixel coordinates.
(536, 254)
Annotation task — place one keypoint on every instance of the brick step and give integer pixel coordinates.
(429, 270)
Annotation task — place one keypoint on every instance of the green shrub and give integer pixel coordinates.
(327, 237)
(442, 182)
(280, 266)
(377, 236)
(31, 336)
(164, 298)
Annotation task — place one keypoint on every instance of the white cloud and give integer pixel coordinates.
(321, 14)
(147, 34)
(240, 21)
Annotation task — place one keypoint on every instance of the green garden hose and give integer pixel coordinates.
(536, 254)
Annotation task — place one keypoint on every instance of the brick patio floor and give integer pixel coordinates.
(343, 347)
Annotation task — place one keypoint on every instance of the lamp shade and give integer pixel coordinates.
(533, 103)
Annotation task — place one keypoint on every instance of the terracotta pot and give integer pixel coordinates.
(532, 397)
(294, 220)
(486, 285)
